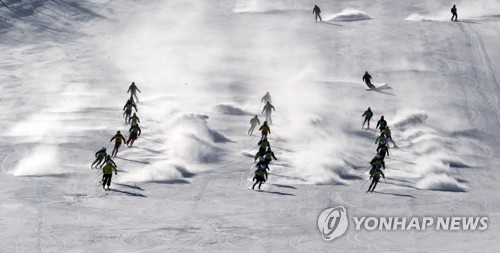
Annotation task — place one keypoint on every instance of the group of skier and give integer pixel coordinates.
(103, 160)
(265, 154)
(377, 163)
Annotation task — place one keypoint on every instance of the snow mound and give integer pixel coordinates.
(162, 172)
(191, 139)
(441, 182)
(348, 15)
(231, 109)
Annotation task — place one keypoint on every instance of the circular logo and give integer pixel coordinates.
(333, 223)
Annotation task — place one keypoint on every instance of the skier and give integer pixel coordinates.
(118, 142)
(387, 133)
(127, 109)
(381, 140)
(264, 130)
(368, 116)
(454, 12)
(260, 177)
(107, 174)
(377, 162)
(100, 155)
(268, 108)
(317, 11)
(381, 124)
(266, 98)
(382, 150)
(253, 122)
(134, 120)
(263, 145)
(376, 177)
(135, 131)
(133, 91)
(368, 80)
(108, 160)
(268, 156)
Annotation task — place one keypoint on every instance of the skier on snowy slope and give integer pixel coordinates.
(134, 120)
(381, 124)
(268, 156)
(317, 12)
(375, 176)
(119, 138)
(387, 134)
(264, 130)
(383, 150)
(133, 91)
(100, 155)
(263, 145)
(266, 98)
(108, 174)
(127, 109)
(367, 79)
(253, 123)
(260, 177)
(368, 116)
(268, 108)
(135, 131)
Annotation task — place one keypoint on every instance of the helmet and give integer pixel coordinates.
(103, 148)
(118, 132)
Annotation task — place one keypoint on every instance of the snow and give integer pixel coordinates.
(203, 67)
(349, 15)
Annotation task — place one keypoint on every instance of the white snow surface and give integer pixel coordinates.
(202, 68)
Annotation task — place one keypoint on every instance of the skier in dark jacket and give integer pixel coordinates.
(100, 156)
(368, 80)
(377, 162)
(383, 150)
(263, 145)
(265, 130)
(381, 124)
(133, 91)
(317, 11)
(135, 131)
(260, 177)
(454, 12)
(368, 116)
(376, 177)
(269, 156)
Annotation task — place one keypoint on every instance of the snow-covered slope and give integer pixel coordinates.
(203, 67)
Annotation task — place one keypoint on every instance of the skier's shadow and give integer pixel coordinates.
(279, 193)
(135, 187)
(133, 194)
(329, 23)
(395, 194)
(381, 90)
